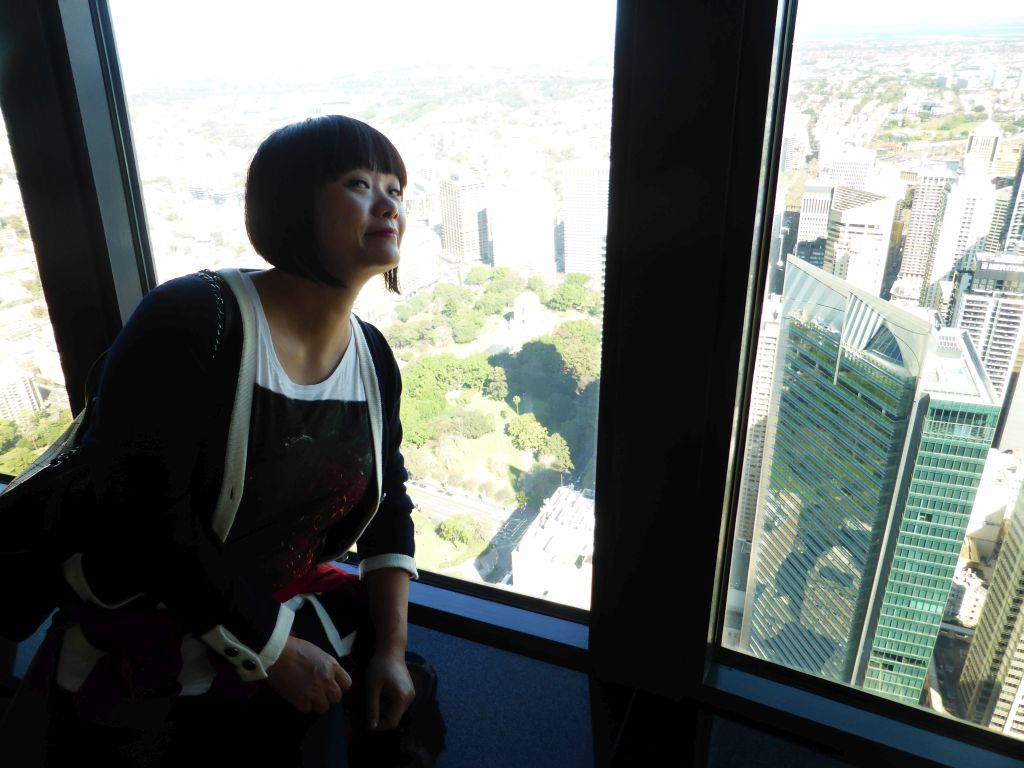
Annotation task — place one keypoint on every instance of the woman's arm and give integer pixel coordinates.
(389, 688)
(163, 385)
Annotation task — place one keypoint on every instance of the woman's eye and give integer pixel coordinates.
(396, 192)
(362, 183)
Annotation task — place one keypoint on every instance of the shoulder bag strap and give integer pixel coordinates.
(238, 432)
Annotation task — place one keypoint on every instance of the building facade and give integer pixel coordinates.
(860, 522)
(992, 681)
(926, 212)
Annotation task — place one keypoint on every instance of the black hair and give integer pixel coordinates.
(285, 176)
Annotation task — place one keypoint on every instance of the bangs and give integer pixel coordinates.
(353, 144)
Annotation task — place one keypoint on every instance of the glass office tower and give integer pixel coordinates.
(848, 574)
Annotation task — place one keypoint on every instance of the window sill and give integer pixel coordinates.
(530, 633)
(853, 729)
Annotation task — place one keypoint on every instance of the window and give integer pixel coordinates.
(498, 328)
(864, 368)
(34, 407)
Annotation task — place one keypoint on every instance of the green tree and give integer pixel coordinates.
(475, 371)
(460, 530)
(578, 342)
(527, 433)
(473, 424)
(557, 450)
(496, 384)
(478, 275)
(9, 435)
(466, 326)
(495, 301)
(417, 415)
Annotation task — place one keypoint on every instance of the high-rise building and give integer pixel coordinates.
(19, 396)
(795, 143)
(851, 167)
(1000, 219)
(926, 212)
(966, 221)
(522, 221)
(857, 244)
(814, 207)
(757, 418)
(1009, 157)
(992, 681)
(983, 143)
(877, 433)
(1015, 217)
(465, 231)
(585, 215)
(992, 313)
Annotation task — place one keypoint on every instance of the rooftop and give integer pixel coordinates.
(953, 370)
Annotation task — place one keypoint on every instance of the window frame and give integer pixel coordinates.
(686, 206)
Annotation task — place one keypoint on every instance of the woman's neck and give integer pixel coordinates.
(309, 322)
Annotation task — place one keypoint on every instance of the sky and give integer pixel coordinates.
(256, 41)
(163, 42)
(816, 17)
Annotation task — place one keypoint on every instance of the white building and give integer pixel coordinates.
(992, 313)
(757, 418)
(554, 559)
(992, 682)
(522, 221)
(814, 207)
(465, 232)
(19, 396)
(857, 244)
(926, 212)
(585, 215)
(983, 144)
(966, 222)
(966, 596)
(851, 167)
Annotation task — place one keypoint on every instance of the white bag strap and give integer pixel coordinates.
(238, 432)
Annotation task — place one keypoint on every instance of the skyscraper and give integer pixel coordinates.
(522, 221)
(851, 167)
(992, 312)
(859, 520)
(992, 681)
(983, 144)
(1015, 217)
(966, 220)
(757, 418)
(814, 208)
(1000, 220)
(857, 243)
(465, 232)
(926, 210)
(585, 213)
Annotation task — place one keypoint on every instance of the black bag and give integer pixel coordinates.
(420, 735)
(37, 531)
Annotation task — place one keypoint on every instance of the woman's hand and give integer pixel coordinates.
(307, 677)
(389, 690)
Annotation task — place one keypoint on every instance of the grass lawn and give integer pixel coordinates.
(434, 553)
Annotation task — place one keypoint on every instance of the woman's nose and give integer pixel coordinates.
(387, 206)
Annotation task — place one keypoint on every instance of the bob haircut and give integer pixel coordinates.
(287, 172)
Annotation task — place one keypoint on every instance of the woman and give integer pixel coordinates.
(190, 637)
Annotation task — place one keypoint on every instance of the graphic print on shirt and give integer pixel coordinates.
(310, 460)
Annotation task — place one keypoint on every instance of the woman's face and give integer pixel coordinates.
(360, 223)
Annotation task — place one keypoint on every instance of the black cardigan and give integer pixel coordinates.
(159, 436)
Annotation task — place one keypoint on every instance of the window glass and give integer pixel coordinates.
(879, 535)
(504, 126)
(34, 407)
